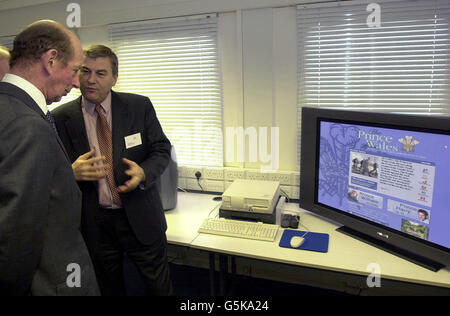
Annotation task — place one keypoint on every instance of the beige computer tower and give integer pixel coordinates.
(253, 196)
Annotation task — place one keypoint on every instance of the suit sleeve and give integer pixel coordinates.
(25, 182)
(159, 146)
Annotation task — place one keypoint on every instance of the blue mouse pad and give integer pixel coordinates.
(313, 241)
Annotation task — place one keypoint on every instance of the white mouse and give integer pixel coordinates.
(297, 241)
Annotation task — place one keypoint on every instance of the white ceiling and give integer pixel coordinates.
(14, 4)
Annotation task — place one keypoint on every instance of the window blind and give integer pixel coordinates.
(7, 41)
(175, 63)
(401, 66)
(72, 95)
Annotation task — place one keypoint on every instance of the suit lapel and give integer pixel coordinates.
(63, 148)
(76, 129)
(121, 121)
(16, 92)
(12, 90)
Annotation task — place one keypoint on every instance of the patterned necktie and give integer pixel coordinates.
(51, 120)
(104, 136)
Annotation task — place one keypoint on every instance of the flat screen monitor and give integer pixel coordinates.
(384, 176)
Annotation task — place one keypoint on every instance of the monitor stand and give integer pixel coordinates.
(402, 253)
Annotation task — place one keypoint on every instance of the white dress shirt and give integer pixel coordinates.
(29, 88)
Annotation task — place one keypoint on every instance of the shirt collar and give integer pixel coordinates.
(90, 107)
(29, 88)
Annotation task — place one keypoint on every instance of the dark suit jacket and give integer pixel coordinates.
(131, 114)
(40, 205)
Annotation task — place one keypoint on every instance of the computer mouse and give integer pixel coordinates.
(297, 241)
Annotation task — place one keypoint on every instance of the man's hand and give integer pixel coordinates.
(89, 169)
(137, 176)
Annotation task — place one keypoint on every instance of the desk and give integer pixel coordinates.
(345, 254)
(184, 220)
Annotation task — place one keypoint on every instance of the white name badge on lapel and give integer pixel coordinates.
(133, 140)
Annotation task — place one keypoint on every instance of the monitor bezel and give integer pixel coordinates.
(311, 118)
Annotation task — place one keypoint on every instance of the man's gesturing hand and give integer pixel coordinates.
(137, 176)
(89, 169)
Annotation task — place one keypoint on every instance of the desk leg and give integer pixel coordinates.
(233, 266)
(212, 274)
(223, 273)
(223, 259)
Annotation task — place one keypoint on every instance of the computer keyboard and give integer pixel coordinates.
(240, 229)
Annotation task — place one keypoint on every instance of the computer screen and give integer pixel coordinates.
(398, 178)
(384, 177)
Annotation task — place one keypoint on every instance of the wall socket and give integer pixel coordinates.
(233, 174)
(295, 192)
(181, 172)
(218, 179)
(192, 184)
(255, 175)
(282, 177)
(189, 172)
(287, 190)
(226, 184)
(296, 178)
(182, 183)
(213, 173)
(214, 186)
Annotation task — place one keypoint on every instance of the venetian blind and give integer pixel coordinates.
(7, 41)
(401, 65)
(175, 63)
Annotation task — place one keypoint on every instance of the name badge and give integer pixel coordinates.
(133, 140)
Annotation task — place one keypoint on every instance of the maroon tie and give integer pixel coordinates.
(104, 136)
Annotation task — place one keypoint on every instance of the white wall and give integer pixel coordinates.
(100, 12)
(258, 50)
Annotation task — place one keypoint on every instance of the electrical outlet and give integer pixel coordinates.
(214, 186)
(287, 190)
(226, 184)
(192, 184)
(181, 171)
(182, 183)
(296, 178)
(213, 173)
(282, 177)
(190, 172)
(295, 191)
(233, 174)
(255, 175)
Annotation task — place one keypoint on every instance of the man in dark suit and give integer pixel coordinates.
(41, 249)
(122, 210)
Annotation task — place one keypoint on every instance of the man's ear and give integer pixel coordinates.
(48, 60)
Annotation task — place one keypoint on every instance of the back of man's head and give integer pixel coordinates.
(38, 38)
